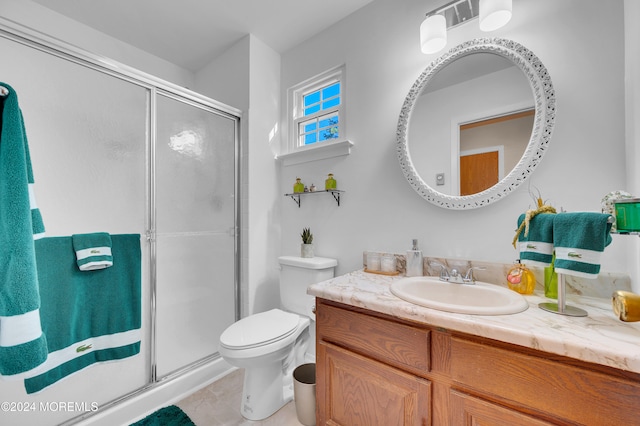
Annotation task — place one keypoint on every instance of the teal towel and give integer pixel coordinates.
(93, 251)
(23, 346)
(88, 318)
(537, 247)
(580, 239)
(167, 416)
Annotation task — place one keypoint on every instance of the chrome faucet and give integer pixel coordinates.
(444, 272)
(469, 278)
(454, 276)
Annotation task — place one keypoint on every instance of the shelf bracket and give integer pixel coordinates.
(295, 198)
(336, 196)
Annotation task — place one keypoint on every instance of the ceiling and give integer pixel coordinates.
(190, 33)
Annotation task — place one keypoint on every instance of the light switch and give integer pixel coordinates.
(440, 179)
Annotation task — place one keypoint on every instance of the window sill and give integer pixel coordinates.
(315, 152)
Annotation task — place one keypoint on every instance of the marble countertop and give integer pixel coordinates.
(599, 338)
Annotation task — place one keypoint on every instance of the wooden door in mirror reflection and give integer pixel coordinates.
(478, 172)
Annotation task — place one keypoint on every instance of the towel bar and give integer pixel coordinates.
(561, 307)
(4, 91)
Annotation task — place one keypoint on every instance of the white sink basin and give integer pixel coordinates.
(478, 299)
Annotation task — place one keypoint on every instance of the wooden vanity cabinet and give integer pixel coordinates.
(373, 369)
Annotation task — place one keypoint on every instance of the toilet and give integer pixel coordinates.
(269, 345)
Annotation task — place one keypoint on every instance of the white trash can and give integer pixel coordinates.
(304, 393)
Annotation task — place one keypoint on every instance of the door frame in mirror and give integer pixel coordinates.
(545, 112)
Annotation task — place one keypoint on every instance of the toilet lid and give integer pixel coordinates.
(259, 329)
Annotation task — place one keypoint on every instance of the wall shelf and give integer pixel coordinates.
(295, 196)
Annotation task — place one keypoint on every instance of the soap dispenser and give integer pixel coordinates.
(414, 261)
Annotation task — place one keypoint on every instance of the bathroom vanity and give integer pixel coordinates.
(382, 361)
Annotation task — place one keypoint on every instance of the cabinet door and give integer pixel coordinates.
(355, 390)
(467, 410)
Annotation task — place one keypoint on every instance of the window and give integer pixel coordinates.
(316, 119)
(317, 109)
(320, 119)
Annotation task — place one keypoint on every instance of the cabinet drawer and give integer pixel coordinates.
(467, 410)
(564, 391)
(394, 343)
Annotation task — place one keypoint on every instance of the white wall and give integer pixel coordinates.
(226, 78)
(50, 23)
(380, 46)
(263, 209)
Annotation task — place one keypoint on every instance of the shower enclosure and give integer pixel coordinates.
(114, 150)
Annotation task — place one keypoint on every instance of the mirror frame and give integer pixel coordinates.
(545, 113)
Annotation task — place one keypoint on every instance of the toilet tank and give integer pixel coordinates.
(296, 274)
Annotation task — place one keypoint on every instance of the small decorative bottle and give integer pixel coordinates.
(298, 186)
(330, 183)
(520, 279)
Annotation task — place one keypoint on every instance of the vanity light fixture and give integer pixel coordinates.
(493, 14)
(433, 34)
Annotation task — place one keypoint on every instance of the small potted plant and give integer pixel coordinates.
(306, 249)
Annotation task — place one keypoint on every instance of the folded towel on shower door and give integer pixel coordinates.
(580, 238)
(536, 248)
(23, 346)
(88, 318)
(93, 251)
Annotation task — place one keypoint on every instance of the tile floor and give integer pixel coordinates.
(219, 404)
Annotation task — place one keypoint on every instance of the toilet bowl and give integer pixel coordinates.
(270, 345)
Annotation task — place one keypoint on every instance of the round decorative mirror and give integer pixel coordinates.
(476, 123)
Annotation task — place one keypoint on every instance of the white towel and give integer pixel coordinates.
(93, 251)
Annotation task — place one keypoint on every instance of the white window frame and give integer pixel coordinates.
(294, 151)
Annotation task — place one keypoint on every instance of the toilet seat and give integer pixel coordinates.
(260, 329)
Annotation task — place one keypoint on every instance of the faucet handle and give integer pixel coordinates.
(469, 276)
(444, 272)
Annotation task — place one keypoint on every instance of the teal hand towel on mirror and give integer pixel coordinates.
(88, 317)
(23, 346)
(579, 239)
(93, 251)
(536, 248)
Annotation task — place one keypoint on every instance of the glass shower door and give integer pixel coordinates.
(195, 159)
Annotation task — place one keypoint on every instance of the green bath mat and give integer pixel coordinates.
(167, 416)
